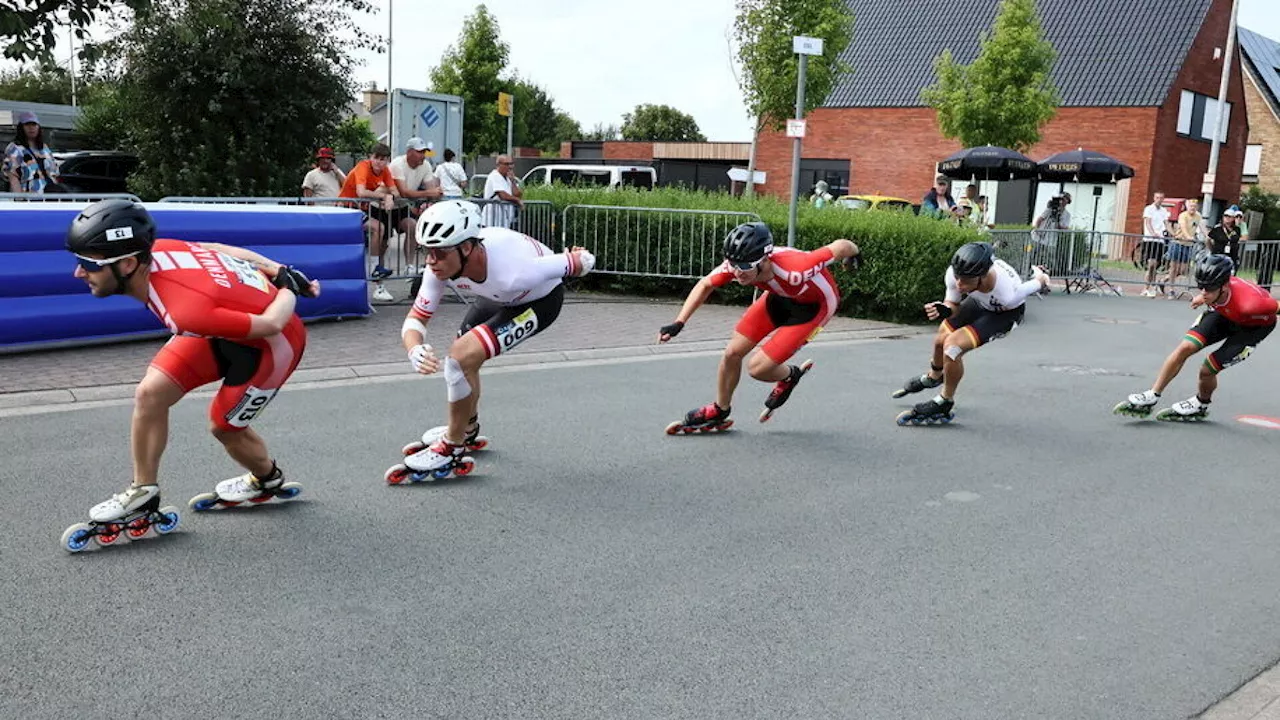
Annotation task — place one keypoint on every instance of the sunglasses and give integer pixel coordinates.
(744, 266)
(89, 264)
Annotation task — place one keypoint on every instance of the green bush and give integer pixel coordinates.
(904, 256)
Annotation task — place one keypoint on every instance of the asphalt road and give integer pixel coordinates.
(1040, 558)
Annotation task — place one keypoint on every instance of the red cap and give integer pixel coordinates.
(325, 153)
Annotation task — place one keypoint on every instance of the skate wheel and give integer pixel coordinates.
(203, 501)
(109, 534)
(168, 520)
(441, 473)
(396, 474)
(261, 498)
(765, 415)
(138, 528)
(289, 490)
(673, 428)
(464, 468)
(481, 443)
(76, 537)
(413, 448)
(806, 366)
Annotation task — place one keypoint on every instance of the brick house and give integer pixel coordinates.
(1138, 81)
(1261, 56)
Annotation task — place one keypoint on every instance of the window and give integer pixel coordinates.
(1252, 160)
(1197, 115)
(637, 179)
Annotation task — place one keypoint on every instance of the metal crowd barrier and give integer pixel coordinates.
(652, 242)
(1068, 255)
(64, 197)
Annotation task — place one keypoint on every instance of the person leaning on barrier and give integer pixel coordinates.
(1186, 232)
(371, 179)
(416, 182)
(503, 192)
(1226, 238)
(1238, 314)
(325, 179)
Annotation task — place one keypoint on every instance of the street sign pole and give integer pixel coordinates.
(804, 47)
(1206, 207)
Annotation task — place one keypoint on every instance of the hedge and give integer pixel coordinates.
(904, 256)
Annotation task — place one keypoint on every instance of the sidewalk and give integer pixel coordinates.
(590, 326)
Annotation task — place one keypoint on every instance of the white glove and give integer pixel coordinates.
(587, 260)
(418, 357)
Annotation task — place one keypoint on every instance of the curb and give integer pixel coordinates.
(345, 374)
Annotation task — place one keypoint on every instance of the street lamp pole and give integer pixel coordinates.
(1205, 206)
(804, 47)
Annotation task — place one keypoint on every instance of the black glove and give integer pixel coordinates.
(852, 263)
(944, 310)
(294, 281)
(672, 330)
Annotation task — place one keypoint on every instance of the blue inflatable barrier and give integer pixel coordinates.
(43, 305)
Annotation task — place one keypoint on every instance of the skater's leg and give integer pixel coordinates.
(763, 368)
(150, 426)
(247, 448)
(462, 376)
(1173, 365)
(953, 348)
(939, 341)
(730, 371)
(1207, 385)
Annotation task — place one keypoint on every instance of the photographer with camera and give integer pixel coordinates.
(1055, 219)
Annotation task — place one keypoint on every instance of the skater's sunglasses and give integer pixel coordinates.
(94, 264)
(744, 266)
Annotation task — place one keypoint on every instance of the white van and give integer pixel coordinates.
(610, 176)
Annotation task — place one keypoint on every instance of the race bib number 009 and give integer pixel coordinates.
(521, 327)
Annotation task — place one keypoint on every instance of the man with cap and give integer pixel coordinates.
(28, 164)
(1225, 237)
(417, 182)
(325, 179)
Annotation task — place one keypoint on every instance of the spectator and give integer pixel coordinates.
(820, 196)
(984, 223)
(28, 165)
(1226, 237)
(453, 179)
(1155, 241)
(938, 201)
(371, 178)
(1186, 233)
(503, 193)
(1044, 234)
(412, 172)
(325, 179)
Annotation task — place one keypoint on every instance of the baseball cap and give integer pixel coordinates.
(325, 153)
(1234, 210)
(416, 143)
(26, 116)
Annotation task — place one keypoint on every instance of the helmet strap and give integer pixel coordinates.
(122, 280)
(462, 263)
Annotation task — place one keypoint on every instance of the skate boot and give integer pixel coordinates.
(916, 384)
(1138, 405)
(1193, 409)
(473, 441)
(247, 488)
(707, 419)
(133, 512)
(930, 412)
(436, 462)
(782, 391)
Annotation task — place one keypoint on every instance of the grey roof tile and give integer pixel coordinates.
(1110, 53)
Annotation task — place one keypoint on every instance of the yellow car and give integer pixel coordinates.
(873, 202)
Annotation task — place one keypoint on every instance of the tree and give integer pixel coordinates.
(660, 123)
(1006, 95)
(41, 84)
(566, 128)
(232, 97)
(29, 26)
(534, 124)
(763, 30)
(602, 132)
(471, 70)
(353, 136)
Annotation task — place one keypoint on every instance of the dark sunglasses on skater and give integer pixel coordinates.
(748, 265)
(94, 264)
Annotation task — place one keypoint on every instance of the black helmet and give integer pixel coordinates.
(747, 243)
(973, 259)
(111, 228)
(1213, 271)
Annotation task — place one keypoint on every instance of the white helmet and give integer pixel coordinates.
(448, 223)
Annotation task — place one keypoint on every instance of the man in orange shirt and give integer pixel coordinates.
(371, 178)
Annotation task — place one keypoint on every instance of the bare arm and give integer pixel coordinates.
(274, 318)
(696, 298)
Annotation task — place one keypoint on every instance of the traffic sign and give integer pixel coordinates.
(504, 104)
(806, 45)
(795, 128)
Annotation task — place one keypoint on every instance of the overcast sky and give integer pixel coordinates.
(600, 59)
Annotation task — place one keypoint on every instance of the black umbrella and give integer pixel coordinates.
(1083, 166)
(988, 162)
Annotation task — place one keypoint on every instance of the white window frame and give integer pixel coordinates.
(1252, 160)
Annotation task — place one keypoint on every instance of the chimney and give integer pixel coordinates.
(373, 96)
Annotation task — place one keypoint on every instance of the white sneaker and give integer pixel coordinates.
(1189, 407)
(435, 457)
(380, 293)
(121, 504)
(243, 488)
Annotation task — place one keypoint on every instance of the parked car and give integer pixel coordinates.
(874, 202)
(96, 171)
(609, 176)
